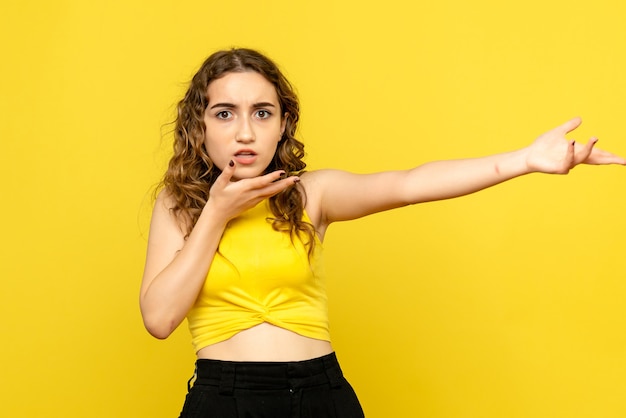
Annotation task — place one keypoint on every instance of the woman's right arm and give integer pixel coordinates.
(176, 268)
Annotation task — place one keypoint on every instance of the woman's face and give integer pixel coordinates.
(243, 123)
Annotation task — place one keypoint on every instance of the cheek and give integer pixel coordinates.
(213, 151)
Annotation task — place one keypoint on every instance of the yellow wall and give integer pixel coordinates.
(508, 303)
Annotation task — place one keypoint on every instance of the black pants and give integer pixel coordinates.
(302, 389)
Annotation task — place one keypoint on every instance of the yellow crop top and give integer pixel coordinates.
(259, 275)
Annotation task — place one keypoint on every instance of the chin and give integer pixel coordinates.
(247, 174)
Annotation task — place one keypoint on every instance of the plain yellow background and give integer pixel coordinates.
(506, 303)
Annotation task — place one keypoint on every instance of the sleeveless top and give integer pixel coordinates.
(260, 275)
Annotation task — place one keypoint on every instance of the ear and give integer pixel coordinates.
(283, 124)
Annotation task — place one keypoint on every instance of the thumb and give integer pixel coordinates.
(570, 125)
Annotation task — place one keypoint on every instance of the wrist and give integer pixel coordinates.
(214, 214)
(514, 164)
(524, 157)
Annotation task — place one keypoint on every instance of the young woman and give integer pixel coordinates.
(235, 238)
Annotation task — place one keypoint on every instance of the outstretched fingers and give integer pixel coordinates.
(583, 154)
(602, 157)
(569, 126)
(276, 184)
(265, 180)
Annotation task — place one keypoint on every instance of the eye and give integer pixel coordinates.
(224, 114)
(263, 114)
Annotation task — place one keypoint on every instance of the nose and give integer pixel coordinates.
(245, 133)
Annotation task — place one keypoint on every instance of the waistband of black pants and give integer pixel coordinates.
(292, 375)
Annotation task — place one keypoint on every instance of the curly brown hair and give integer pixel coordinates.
(191, 173)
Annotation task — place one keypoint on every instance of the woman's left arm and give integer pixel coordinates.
(343, 196)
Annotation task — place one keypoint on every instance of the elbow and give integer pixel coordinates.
(158, 332)
(159, 328)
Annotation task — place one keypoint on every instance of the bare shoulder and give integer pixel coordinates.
(317, 180)
(312, 185)
(164, 200)
(338, 195)
(163, 210)
(165, 224)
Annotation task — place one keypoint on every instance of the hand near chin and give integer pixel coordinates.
(553, 153)
(230, 198)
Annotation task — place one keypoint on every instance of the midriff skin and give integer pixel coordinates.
(266, 342)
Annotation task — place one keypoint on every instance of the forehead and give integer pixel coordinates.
(244, 87)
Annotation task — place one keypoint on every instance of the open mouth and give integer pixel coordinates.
(245, 157)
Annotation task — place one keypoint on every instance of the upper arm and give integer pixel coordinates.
(165, 240)
(334, 195)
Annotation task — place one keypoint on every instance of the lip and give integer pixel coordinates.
(245, 156)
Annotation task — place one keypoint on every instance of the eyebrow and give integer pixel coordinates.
(231, 105)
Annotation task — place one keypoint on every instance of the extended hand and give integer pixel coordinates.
(553, 153)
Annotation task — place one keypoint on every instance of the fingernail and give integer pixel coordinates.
(231, 163)
(296, 180)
